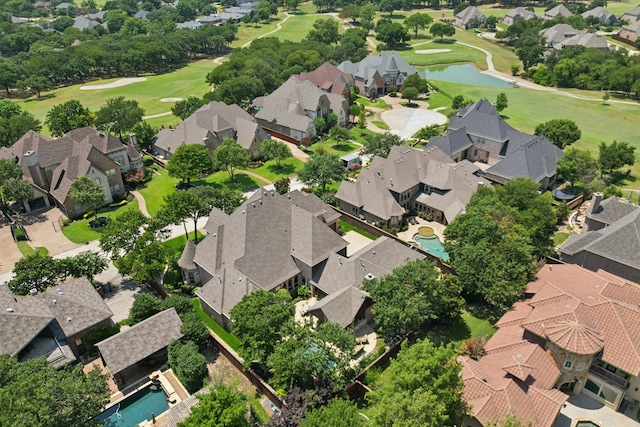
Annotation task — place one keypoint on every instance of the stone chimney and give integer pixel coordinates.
(133, 139)
(595, 202)
(36, 172)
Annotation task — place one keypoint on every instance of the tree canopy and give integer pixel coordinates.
(411, 295)
(36, 394)
(338, 413)
(189, 162)
(275, 150)
(257, 320)
(188, 364)
(380, 144)
(615, 155)
(418, 21)
(87, 193)
(221, 407)
(118, 115)
(12, 187)
(577, 166)
(67, 116)
(321, 170)
(440, 30)
(230, 156)
(14, 123)
(186, 107)
(561, 132)
(423, 388)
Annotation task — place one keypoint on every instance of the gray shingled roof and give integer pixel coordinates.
(258, 244)
(209, 120)
(470, 14)
(587, 40)
(601, 13)
(75, 306)
(365, 69)
(558, 11)
(104, 143)
(536, 160)
(453, 142)
(140, 341)
(481, 119)
(186, 259)
(521, 13)
(612, 210)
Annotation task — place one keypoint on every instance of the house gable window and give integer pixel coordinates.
(568, 365)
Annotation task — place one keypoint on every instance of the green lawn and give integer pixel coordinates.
(381, 125)
(598, 122)
(241, 182)
(181, 83)
(464, 327)
(177, 244)
(154, 191)
(26, 249)
(297, 27)
(344, 227)
(560, 237)
(247, 32)
(377, 103)
(288, 167)
(79, 231)
(228, 337)
(332, 147)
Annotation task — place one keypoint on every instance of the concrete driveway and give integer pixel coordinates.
(405, 122)
(44, 231)
(9, 253)
(581, 407)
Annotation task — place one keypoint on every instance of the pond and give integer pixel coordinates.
(464, 74)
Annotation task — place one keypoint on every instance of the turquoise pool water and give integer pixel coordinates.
(135, 408)
(464, 74)
(433, 245)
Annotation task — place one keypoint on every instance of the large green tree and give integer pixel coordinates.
(14, 123)
(187, 107)
(273, 149)
(577, 166)
(223, 406)
(322, 170)
(189, 162)
(12, 187)
(423, 388)
(182, 205)
(440, 30)
(615, 155)
(65, 117)
(118, 115)
(230, 156)
(391, 33)
(189, 364)
(338, 413)
(88, 194)
(561, 132)
(257, 320)
(418, 21)
(324, 31)
(119, 236)
(411, 295)
(380, 144)
(36, 394)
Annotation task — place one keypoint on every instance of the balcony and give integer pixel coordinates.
(609, 377)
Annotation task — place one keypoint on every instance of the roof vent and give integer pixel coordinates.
(597, 286)
(10, 310)
(33, 291)
(253, 205)
(589, 296)
(55, 301)
(518, 356)
(374, 252)
(369, 276)
(480, 183)
(567, 305)
(68, 319)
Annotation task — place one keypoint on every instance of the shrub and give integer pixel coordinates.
(256, 164)
(66, 221)
(19, 234)
(473, 347)
(101, 333)
(306, 141)
(188, 364)
(194, 329)
(321, 151)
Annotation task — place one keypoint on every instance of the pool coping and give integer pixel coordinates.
(582, 420)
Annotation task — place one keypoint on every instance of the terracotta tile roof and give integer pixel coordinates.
(574, 337)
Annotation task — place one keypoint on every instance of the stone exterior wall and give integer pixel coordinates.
(573, 367)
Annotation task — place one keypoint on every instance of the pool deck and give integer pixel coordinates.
(407, 235)
(581, 407)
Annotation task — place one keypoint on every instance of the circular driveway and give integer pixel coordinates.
(405, 122)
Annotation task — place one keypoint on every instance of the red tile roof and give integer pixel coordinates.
(575, 337)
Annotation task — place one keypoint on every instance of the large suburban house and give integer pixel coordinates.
(289, 111)
(375, 75)
(271, 242)
(51, 165)
(586, 323)
(631, 16)
(559, 11)
(603, 15)
(517, 14)
(51, 324)
(630, 33)
(561, 35)
(409, 179)
(340, 281)
(611, 240)
(330, 79)
(470, 17)
(210, 125)
(477, 133)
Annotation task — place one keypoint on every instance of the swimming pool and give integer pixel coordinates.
(136, 408)
(433, 245)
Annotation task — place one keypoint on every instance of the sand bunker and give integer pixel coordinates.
(426, 51)
(117, 83)
(404, 122)
(170, 99)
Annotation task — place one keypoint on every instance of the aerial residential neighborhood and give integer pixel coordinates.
(323, 213)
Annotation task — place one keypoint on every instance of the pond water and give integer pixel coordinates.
(464, 74)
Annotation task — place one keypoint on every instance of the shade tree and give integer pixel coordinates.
(273, 149)
(186, 107)
(222, 406)
(440, 30)
(189, 162)
(321, 170)
(88, 194)
(230, 156)
(118, 115)
(560, 132)
(12, 187)
(380, 144)
(337, 413)
(577, 166)
(418, 21)
(14, 123)
(615, 155)
(68, 116)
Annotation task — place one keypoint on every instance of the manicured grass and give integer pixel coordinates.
(25, 248)
(332, 147)
(377, 103)
(228, 337)
(248, 32)
(344, 227)
(560, 237)
(241, 182)
(288, 167)
(297, 27)
(381, 125)
(188, 80)
(177, 244)
(166, 121)
(79, 231)
(527, 108)
(359, 135)
(154, 191)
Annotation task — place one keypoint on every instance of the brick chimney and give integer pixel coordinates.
(595, 203)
